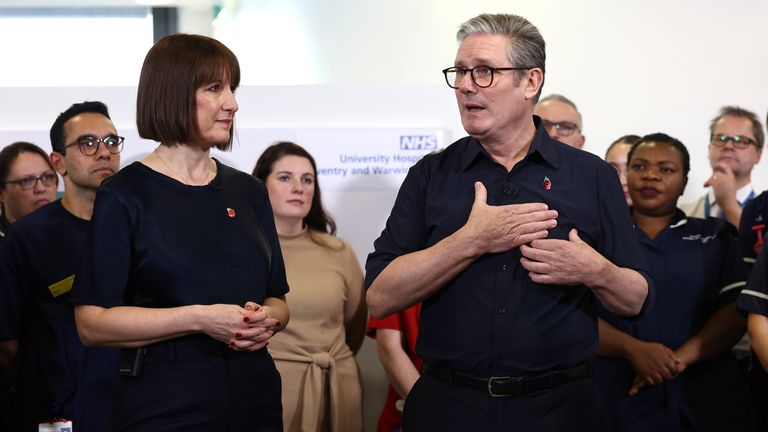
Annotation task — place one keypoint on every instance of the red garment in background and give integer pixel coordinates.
(407, 322)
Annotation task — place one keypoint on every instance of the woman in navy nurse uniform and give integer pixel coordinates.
(182, 267)
(672, 369)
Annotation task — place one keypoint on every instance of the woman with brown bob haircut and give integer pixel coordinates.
(182, 267)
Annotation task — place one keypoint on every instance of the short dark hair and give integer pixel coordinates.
(57, 130)
(626, 139)
(734, 111)
(664, 138)
(317, 219)
(174, 68)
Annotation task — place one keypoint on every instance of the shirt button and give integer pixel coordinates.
(504, 267)
(502, 311)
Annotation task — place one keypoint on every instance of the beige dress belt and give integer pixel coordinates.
(315, 385)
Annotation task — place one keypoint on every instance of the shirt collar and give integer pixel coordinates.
(741, 195)
(678, 220)
(542, 145)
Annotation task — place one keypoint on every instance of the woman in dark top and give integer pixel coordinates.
(672, 369)
(182, 267)
(27, 181)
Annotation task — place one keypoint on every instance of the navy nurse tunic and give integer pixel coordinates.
(697, 269)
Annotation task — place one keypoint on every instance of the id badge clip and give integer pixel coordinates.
(60, 425)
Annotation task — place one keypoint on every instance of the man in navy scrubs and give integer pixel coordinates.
(509, 238)
(37, 263)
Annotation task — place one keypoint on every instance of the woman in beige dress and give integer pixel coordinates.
(315, 355)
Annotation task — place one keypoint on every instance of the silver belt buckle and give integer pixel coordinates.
(500, 378)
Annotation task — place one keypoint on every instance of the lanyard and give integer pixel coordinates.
(741, 204)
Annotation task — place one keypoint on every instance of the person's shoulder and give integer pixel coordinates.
(574, 157)
(38, 224)
(329, 241)
(127, 174)
(758, 204)
(453, 150)
(49, 214)
(234, 176)
(582, 156)
(710, 227)
(694, 208)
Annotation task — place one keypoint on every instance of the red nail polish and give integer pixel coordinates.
(238, 335)
(279, 324)
(232, 344)
(246, 319)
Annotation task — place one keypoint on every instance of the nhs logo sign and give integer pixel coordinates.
(418, 142)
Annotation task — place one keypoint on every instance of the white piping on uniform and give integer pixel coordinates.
(756, 294)
(732, 286)
(680, 223)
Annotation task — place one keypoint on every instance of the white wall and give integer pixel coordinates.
(632, 67)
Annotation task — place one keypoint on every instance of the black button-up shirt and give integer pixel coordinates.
(492, 317)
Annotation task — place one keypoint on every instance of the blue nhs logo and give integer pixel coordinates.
(418, 142)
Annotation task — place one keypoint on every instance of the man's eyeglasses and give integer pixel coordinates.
(89, 145)
(27, 183)
(563, 128)
(482, 76)
(739, 141)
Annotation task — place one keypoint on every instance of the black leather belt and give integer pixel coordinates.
(505, 386)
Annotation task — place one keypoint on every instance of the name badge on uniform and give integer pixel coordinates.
(62, 287)
(57, 426)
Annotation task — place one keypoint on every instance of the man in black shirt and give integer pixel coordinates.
(38, 259)
(508, 237)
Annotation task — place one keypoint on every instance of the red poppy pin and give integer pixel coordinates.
(546, 184)
(231, 212)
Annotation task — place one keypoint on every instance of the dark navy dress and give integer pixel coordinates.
(157, 243)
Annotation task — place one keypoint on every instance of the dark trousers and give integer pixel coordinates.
(435, 405)
(198, 384)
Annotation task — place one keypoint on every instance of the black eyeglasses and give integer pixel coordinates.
(26, 183)
(482, 76)
(739, 141)
(563, 128)
(89, 145)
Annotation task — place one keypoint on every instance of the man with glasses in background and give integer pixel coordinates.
(736, 141)
(735, 145)
(38, 259)
(561, 119)
(509, 238)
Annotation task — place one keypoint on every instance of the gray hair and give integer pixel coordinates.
(734, 111)
(526, 47)
(565, 100)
